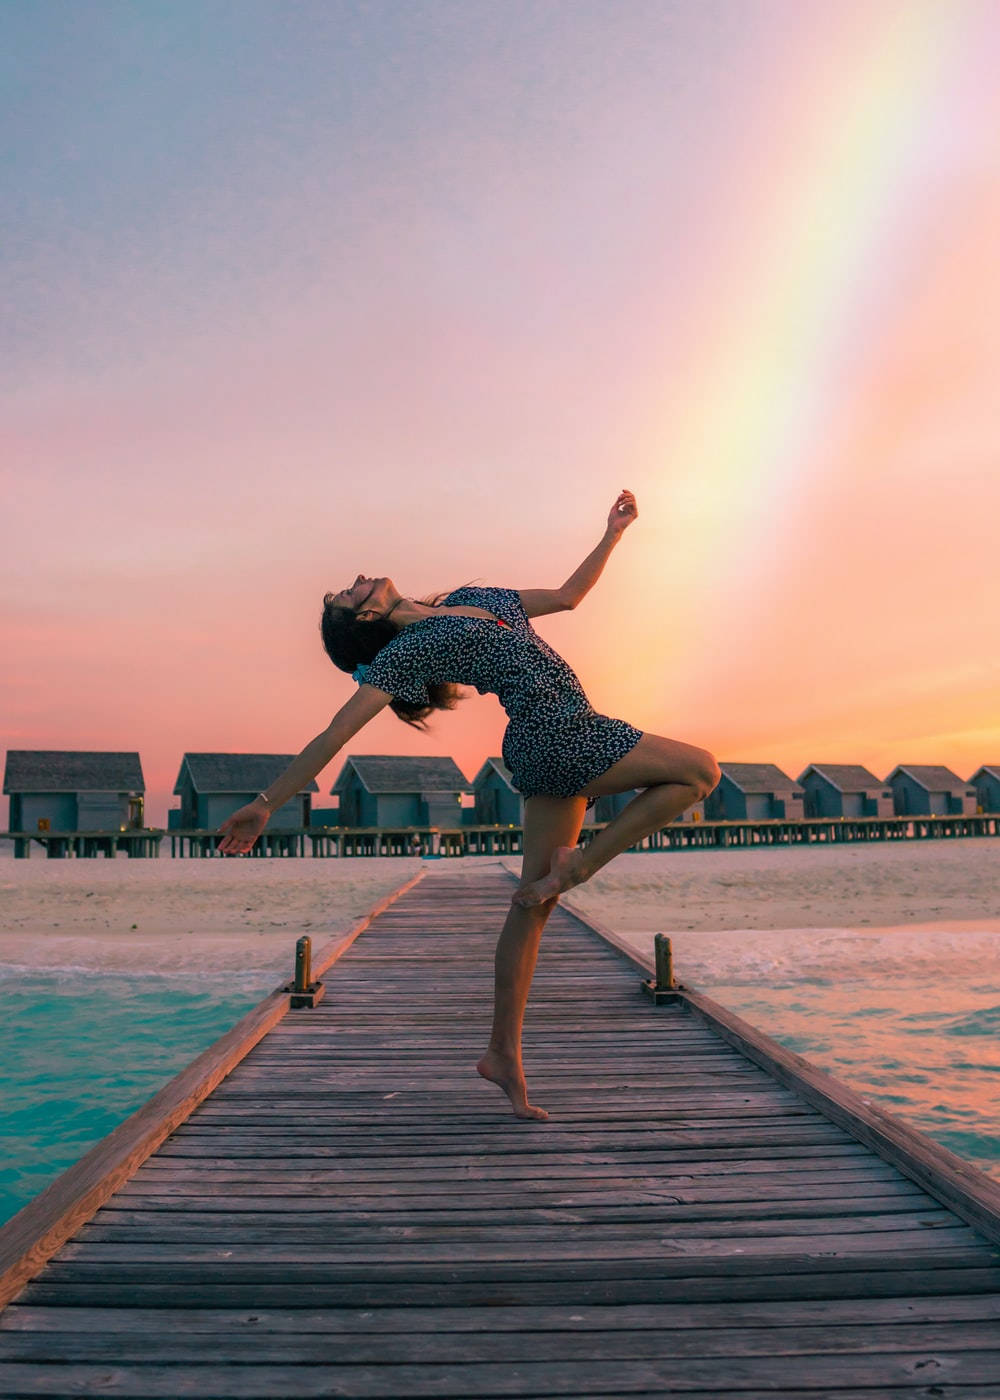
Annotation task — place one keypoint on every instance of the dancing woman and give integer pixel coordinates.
(562, 754)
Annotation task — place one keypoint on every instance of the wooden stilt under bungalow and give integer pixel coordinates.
(330, 1202)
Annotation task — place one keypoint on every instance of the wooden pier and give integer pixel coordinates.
(432, 841)
(330, 1202)
(134, 842)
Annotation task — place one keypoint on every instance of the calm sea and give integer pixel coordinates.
(929, 1055)
(81, 1050)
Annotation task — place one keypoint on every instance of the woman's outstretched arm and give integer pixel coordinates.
(537, 601)
(241, 830)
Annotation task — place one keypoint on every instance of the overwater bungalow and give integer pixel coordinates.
(754, 792)
(399, 790)
(498, 802)
(54, 790)
(212, 786)
(986, 781)
(844, 790)
(931, 790)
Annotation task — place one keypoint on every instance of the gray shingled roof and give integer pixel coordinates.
(848, 777)
(495, 761)
(72, 770)
(992, 768)
(403, 773)
(933, 777)
(758, 777)
(235, 772)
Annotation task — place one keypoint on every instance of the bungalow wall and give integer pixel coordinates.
(212, 809)
(69, 811)
(987, 789)
(394, 809)
(910, 799)
(28, 808)
(101, 811)
(206, 811)
(821, 797)
(359, 807)
(725, 803)
(789, 806)
(728, 803)
(442, 809)
(497, 804)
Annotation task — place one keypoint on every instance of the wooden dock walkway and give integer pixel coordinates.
(352, 1212)
(683, 834)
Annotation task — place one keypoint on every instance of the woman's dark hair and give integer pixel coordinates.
(349, 643)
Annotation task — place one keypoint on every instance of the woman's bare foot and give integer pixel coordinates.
(564, 872)
(507, 1072)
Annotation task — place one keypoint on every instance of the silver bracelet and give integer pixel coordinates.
(265, 799)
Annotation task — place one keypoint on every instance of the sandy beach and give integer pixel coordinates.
(177, 915)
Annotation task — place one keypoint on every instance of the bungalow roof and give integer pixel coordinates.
(847, 777)
(496, 762)
(388, 773)
(234, 772)
(933, 777)
(758, 777)
(72, 770)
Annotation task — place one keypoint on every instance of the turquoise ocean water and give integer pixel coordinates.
(82, 1050)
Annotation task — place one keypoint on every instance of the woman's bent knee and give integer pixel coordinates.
(708, 774)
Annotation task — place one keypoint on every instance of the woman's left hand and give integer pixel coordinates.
(623, 512)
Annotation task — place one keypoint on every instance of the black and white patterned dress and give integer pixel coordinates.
(555, 742)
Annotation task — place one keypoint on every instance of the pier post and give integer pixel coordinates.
(662, 988)
(304, 992)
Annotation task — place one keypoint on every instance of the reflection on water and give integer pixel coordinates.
(907, 1016)
(929, 1054)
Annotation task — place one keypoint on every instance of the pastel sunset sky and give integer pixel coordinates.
(298, 291)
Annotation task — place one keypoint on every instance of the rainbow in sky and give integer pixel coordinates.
(763, 408)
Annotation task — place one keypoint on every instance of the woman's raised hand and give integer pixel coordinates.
(623, 512)
(242, 829)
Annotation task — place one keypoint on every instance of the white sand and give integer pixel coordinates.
(178, 915)
(921, 910)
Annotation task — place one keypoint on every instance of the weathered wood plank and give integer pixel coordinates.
(918, 1369)
(322, 1228)
(827, 1279)
(783, 1316)
(439, 1347)
(855, 1196)
(527, 1140)
(666, 1256)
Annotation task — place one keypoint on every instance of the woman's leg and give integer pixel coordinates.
(674, 776)
(549, 824)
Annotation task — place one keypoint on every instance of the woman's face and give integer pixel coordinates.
(366, 596)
